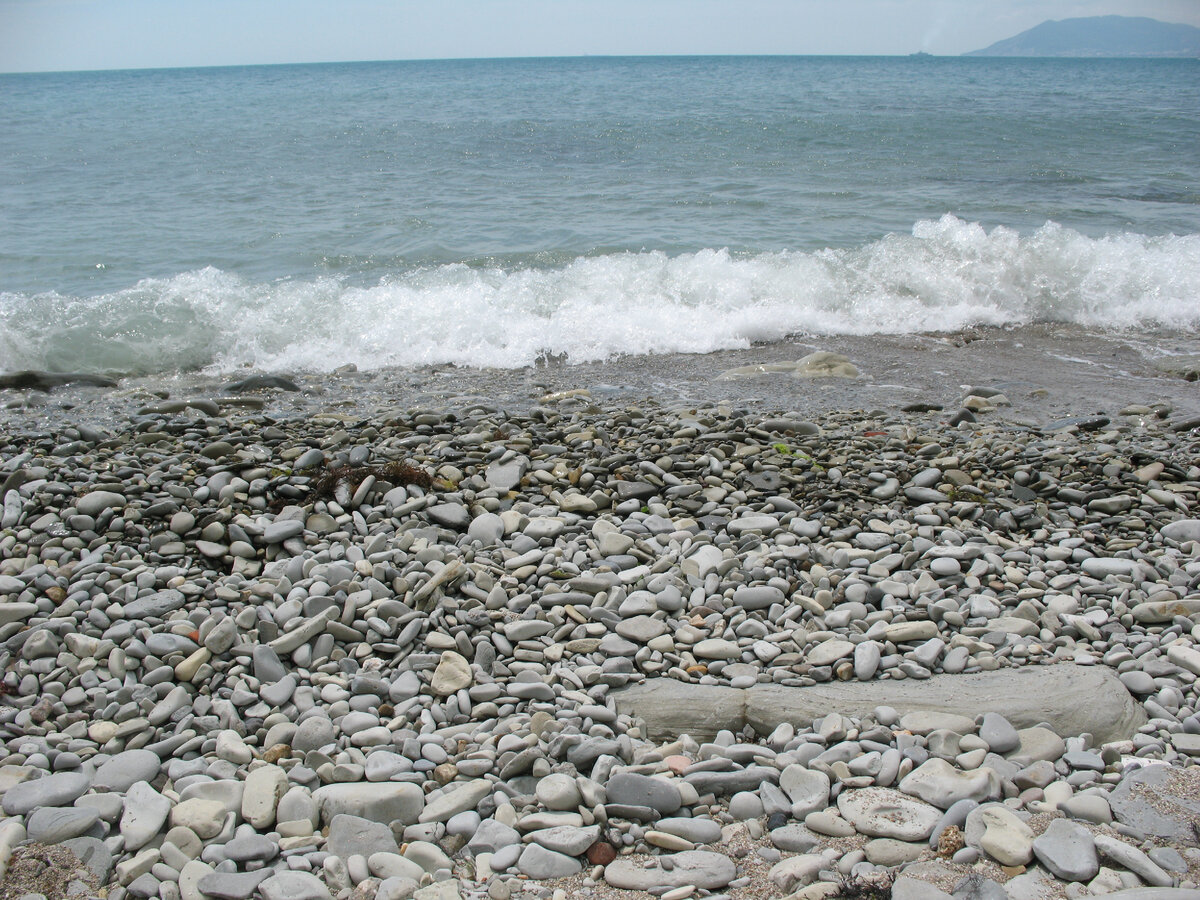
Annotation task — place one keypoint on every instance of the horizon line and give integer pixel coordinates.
(973, 55)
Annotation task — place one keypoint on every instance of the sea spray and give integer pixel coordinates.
(946, 275)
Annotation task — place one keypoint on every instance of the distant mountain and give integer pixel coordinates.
(1100, 36)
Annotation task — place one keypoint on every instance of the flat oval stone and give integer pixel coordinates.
(885, 812)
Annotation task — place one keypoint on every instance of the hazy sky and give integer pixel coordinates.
(38, 35)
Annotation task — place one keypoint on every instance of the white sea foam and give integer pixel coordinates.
(945, 275)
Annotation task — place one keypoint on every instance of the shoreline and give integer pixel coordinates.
(1047, 372)
(222, 669)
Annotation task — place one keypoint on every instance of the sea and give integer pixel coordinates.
(502, 213)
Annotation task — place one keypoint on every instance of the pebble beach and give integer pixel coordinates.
(735, 625)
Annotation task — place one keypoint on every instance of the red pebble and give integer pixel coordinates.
(601, 853)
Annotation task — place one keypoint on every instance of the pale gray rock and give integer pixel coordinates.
(487, 528)
(59, 789)
(1004, 837)
(808, 789)
(279, 531)
(1162, 801)
(233, 885)
(1025, 696)
(490, 836)
(93, 853)
(999, 733)
(313, 733)
(978, 887)
(465, 796)
(385, 803)
(643, 790)
(1039, 744)
(146, 812)
(757, 597)
(792, 838)
(558, 792)
(155, 606)
(942, 785)
(450, 515)
(349, 835)
(906, 888)
(697, 830)
(95, 502)
(541, 864)
(885, 812)
(701, 868)
(1066, 848)
(506, 475)
(1133, 859)
(55, 824)
(1181, 530)
(124, 769)
(294, 886)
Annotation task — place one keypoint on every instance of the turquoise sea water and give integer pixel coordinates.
(483, 212)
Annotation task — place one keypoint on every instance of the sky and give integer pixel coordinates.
(50, 35)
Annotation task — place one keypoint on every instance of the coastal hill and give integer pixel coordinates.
(1096, 36)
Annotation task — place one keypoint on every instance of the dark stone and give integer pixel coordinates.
(48, 381)
(601, 853)
(260, 383)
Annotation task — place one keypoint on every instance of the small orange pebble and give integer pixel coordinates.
(677, 764)
(697, 670)
(874, 433)
(194, 635)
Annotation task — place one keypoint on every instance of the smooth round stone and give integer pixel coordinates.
(891, 852)
(716, 648)
(294, 886)
(885, 812)
(1089, 807)
(453, 673)
(558, 792)
(1005, 838)
(59, 789)
(94, 503)
(1067, 849)
(1138, 682)
(145, 813)
(265, 787)
(464, 824)
(745, 805)
(53, 825)
(633, 789)
(942, 785)
(867, 656)
(204, 817)
(794, 838)
(757, 597)
(124, 769)
(829, 652)
(251, 847)
(667, 841)
(828, 822)
(700, 868)
(540, 864)
(945, 566)
(641, 629)
(808, 789)
(696, 830)
(998, 733)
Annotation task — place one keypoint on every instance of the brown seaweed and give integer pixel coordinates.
(326, 482)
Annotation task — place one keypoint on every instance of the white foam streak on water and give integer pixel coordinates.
(946, 275)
